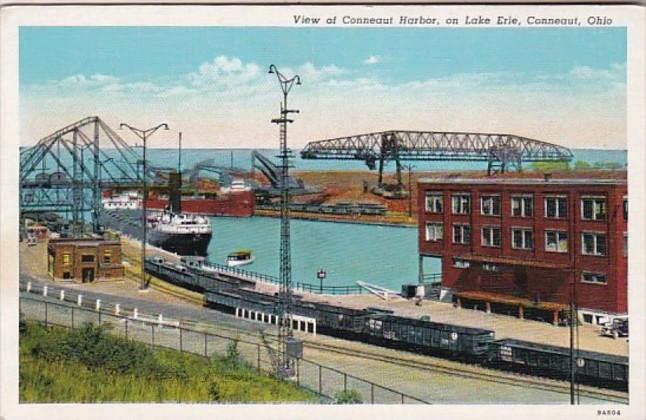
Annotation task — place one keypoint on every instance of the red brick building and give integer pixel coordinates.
(84, 259)
(520, 245)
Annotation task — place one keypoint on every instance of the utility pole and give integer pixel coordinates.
(143, 135)
(284, 365)
(574, 360)
(410, 189)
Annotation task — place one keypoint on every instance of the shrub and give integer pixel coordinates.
(350, 396)
(582, 164)
(550, 166)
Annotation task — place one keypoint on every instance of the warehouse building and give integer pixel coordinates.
(523, 246)
(84, 260)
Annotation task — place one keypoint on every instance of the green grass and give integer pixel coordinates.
(90, 365)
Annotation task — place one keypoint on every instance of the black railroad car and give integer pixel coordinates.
(231, 299)
(182, 275)
(172, 273)
(334, 320)
(222, 300)
(597, 369)
(429, 337)
(206, 278)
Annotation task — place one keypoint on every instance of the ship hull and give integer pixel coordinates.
(182, 244)
(128, 222)
(240, 204)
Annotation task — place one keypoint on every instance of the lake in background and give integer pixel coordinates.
(383, 255)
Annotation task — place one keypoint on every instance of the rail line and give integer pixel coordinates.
(482, 374)
(528, 381)
(510, 378)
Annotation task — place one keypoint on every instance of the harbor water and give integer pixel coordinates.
(382, 255)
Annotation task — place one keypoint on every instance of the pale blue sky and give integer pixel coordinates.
(423, 79)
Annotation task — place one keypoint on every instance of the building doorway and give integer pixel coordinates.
(87, 275)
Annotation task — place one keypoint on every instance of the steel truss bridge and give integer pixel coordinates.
(67, 170)
(500, 151)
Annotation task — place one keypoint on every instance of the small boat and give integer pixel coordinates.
(238, 258)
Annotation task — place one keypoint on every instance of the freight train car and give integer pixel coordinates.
(186, 275)
(430, 337)
(379, 327)
(368, 325)
(598, 369)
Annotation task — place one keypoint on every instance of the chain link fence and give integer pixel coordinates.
(70, 311)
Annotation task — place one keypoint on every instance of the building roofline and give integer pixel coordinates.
(522, 181)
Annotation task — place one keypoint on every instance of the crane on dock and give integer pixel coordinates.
(82, 159)
(501, 151)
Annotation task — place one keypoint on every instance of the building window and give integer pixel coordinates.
(491, 236)
(625, 244)
(489, 267)
(593, 244)
(434, 232)
(625, 208)
(593, 208)
(595, 278)
(107, 257)
(67, 258)
(459, 263)
(522, 205)
(434, 202)
(522, 238)
(490, 205)
(461, 234)
(555, 241)
(556, 207)
(87, 258)
(461, 203)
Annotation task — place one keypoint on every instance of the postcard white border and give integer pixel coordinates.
(15, 16)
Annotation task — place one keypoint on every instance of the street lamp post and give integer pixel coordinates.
(143, 135)
(321, 276)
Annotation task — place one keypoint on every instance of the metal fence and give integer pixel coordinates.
(305, 287)
(328, 290)
(222, 268)
(257, 352)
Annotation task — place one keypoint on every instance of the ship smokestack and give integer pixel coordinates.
(175, 192)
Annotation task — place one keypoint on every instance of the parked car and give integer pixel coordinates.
(617, 328)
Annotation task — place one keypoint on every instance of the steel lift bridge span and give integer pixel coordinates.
(68, 170)
(501, 151)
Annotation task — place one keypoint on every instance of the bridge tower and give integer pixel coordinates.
(80, 167)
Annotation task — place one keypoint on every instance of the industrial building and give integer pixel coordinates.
(524, 245)
(84, 259)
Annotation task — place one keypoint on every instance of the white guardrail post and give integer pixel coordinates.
(28, 286)
(45, 290)
(62, 295)
(117, 309)
(135, 313)
(79, 300)
(98, 304)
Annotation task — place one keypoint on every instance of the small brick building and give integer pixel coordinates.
(84, 260)
(524, 245)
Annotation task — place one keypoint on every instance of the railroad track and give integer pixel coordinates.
(478, 373)
(473, 372)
